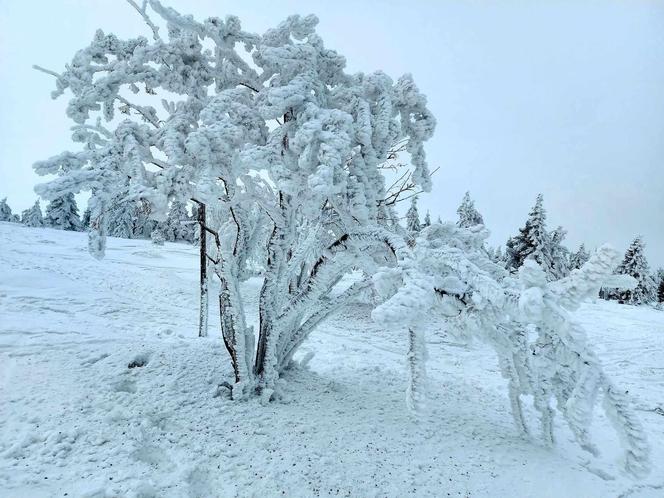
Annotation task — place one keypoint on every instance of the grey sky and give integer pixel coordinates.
(563, 98)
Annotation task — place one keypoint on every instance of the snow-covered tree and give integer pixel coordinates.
(5, 210)
(498, 256)
(85, 219)
(157, 236)
(143, 225)
(559, 253)
(579, 258)
(321, 136)
(62, 213)
(179, 224)
(533, 241)
(32, 216)
(121, 216)
(469, 216)
(660, 285)
(635, 265)
(413, 217)
(439, 221)
(543, 352)
(427, 220)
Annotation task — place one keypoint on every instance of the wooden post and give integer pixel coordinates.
(203, 312)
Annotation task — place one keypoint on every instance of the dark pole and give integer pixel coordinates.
(203, 316)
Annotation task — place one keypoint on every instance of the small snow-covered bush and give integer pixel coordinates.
(542, 351)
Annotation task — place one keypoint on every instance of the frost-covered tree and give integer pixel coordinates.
(579, 258)
(427, 220)
(143, 225)
(543, 352)
(121, 218)
(413, 217)
(533, 241)
(469, 216)
(635, 265)
(5, 210)
(32, 216)
(660, 285)
(270, 121)
(559, 254)
(62, 213)
(498, 256)
(85, 219)
(157, 236)
(179, 224)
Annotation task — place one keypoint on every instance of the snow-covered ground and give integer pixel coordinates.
(75, 420)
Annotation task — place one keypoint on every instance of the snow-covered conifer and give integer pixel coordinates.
(660, 285)
(635, 265)
(5, 210)
(533, 241)
(85, 219)
(62, 213)
(498, 256)
(579, 258)
(559, 254)
(427, 220)
(469, 216)
(413, 217)
(32, 216)
(157, 236)
(179, 223)
(143, 225)
(121, 217)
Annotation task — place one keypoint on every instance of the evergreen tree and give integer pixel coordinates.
(578, 258)
(498, 256)
(468, 215)
(157, 235)
(559, 254)
(32, 217)
(439, 220)
(62, 213)
(413, 217)
(121, 219)
(635, 264)
(15, 218)
(143, 225)
(427, 219)
(660, 287)
(5, 210)
(533, 241)
(85, 219)
(178, 225)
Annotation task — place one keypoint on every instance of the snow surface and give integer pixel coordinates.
(76, 420)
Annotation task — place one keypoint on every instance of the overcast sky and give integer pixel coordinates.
(562, 98)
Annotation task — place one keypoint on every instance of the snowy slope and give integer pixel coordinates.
(76, 421)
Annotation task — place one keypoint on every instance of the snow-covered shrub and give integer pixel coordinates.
(527, 320)
(246, 121)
